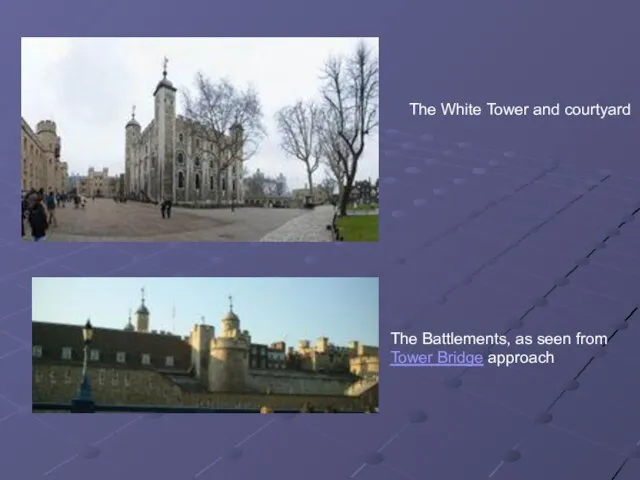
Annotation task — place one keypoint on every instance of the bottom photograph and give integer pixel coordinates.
(205, 345)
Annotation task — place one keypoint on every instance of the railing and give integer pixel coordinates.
(68, 407)
(335, 231)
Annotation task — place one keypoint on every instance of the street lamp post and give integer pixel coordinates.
(83, 403)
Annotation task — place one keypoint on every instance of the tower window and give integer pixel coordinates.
(146, 359)
(37, 351)
(180, 158)
(94, 355)
(211, 183)
(180, 138)
(121, 357)
(197, 161)
(66, 353)
(180, 180)
(169, 362)
(197, 181)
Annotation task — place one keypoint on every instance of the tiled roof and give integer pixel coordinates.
(53, 337)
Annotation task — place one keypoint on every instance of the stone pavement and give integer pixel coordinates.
(311, 227)
(107, 221)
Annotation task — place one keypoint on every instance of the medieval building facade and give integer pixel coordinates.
(41, 158)
(168, 159)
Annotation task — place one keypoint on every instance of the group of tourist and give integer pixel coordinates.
(39, 210)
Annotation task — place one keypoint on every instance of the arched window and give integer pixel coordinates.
(197, 161)
(224, 184)
(197, 181)
(180, 138)
(180, 158)
(180, 180)
(211, 164)
(211, 183)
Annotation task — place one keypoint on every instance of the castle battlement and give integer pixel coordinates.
(48, 126)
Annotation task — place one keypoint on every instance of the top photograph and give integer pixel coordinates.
(200, 139)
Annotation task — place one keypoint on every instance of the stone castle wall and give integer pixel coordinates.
(298, 383)
(119, 386)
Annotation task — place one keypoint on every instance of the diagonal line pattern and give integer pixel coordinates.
(237, 445)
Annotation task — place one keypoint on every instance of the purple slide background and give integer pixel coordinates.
(487, 225)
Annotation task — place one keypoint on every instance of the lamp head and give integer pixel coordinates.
(87, 332)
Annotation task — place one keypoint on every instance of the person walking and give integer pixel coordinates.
(37, 218)
(50, 202)
(168, 207)
(163, 208)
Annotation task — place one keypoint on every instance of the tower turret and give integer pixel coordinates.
(165, 121)
(142, 316)
(229, 356)
(129, 326)
(47, 134)
(132, 139)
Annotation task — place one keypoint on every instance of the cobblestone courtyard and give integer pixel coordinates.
(107, 221)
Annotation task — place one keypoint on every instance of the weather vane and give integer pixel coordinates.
(133, 112)
(230, 303)
(164, 66)
(142, 292)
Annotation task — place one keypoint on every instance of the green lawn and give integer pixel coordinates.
(359, 228)
(364, 206)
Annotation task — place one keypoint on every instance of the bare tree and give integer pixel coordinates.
(226, 123)
(351, 97)
(334, 151)
(328, 185)
(298, 127)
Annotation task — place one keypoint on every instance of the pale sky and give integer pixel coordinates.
(272, 309)
(89, 85)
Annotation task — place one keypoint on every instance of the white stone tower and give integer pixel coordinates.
(165, 122)
(229, 356)
(142, 316)
(200, 340)
(132, 139)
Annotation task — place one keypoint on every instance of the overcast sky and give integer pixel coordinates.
(88, 87)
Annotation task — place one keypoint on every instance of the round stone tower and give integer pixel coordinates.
(229, 356)
(47, 134)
